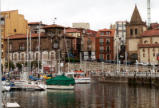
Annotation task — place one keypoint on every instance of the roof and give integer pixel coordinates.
(154, 25)
(32, 23)
(148, 45)
(106, 30)
(72, 30)
(136, 18)
(9, 11)
(23, 36)
(153, 32)
(53, 26)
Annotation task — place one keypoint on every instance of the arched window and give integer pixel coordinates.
(52, 56)
(145, 42)
(15, 57)
(143, 49)
(22, 57)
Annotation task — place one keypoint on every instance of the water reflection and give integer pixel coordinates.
(61, 99)
(90, 96)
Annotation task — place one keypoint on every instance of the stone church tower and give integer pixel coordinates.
(134, 29)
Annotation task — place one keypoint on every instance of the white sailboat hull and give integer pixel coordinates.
(6, 88)
(25, 85)
(82, 80)
(60, 87)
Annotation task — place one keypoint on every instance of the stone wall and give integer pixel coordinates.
(97, 67)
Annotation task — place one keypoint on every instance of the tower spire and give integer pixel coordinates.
(136, 18)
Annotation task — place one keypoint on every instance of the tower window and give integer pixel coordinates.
(136, 31)
(131, 31)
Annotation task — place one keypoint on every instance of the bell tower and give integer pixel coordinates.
(134, 29)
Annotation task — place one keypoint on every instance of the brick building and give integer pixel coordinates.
(105, 45)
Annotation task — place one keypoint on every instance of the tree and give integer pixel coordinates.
(34, 64)
(19, 66)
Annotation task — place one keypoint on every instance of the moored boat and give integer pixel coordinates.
(60, 82)
(80, 77)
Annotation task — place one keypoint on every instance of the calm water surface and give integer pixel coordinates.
(90, 96)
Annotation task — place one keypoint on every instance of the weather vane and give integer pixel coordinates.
(54, 20)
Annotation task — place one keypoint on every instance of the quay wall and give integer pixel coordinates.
(97, 67)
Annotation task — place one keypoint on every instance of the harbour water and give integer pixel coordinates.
(89, 96)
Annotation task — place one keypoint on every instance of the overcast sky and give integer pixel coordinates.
(99, 13)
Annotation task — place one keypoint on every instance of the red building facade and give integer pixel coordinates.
(105, 45)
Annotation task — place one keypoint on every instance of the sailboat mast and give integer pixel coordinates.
(39, 48)
(30, 53)
(27, 52)
(66, 49)
(0, 61)
(8, 54)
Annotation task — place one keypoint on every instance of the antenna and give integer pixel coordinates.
(148, 13)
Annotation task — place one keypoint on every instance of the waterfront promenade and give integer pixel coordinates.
(109, 73)
(99, 67)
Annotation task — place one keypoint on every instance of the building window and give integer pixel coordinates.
(101, 56)
(108, 57)
(108, 33)
(108, 49)
(108, 41)
(52, 56)
(143, 55)
(145, 42)
(101, 41)
(56, 44)
(10, 47)
(101, 33)
(21, 47)
(131, 31)
(143, 50)
(15, 30)
(154, 54)
(22, 57)
(89, 41)
(153, 49)
(15, 57)
(37, 56)
(136, 31)
(101, 48)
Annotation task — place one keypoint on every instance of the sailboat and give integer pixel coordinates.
(24, 82)
(61, 81)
